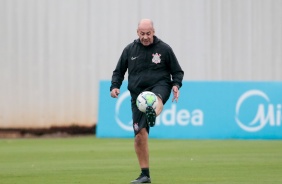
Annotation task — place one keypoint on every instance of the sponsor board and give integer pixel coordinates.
(205, 110)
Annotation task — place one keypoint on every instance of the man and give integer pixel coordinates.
(152, 66)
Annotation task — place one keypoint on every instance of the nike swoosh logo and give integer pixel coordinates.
(133, 58)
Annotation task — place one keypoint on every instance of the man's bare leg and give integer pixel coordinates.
(160, 106)
(142, 148)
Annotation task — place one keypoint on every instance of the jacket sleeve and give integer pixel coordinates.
(175, 69)
(119, 72)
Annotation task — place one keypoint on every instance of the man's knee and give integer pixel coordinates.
(160, 106)
(141, 137)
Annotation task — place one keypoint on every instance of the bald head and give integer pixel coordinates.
(146, 23)
(146, 31)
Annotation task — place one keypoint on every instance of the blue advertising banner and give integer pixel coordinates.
(205, 110)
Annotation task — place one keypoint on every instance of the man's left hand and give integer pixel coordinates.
(175, 92)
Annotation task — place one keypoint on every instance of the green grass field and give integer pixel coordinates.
(112, 161)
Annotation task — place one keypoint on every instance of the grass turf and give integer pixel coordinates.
(88, 160)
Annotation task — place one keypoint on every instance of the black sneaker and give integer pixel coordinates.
(151, 116)
(141, 179)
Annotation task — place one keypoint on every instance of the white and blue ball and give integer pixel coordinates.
(145, 99)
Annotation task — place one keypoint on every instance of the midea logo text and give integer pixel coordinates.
(267, 114)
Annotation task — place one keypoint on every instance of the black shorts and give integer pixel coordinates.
(138, 117)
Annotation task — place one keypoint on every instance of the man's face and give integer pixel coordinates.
(146, 35)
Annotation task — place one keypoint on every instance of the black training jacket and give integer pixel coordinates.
(147, 66)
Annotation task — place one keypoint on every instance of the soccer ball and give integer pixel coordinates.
(146, 99)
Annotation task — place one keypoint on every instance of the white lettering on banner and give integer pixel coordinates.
(169, 117)
(261, 118)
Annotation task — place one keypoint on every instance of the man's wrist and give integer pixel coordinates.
(176, 86)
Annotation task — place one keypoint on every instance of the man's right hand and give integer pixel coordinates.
(115, 92)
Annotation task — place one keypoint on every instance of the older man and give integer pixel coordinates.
(152, 66)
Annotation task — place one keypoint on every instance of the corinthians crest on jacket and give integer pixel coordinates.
(156, 58)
